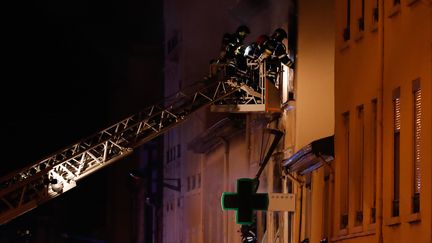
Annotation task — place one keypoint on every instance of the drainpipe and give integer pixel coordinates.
(225, 143)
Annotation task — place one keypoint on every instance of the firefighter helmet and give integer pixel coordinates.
(261, 39)
(279, 34)
(243, 30)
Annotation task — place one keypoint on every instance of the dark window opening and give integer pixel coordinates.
(374, 155)
(360, 21)
(359, 217)
(373, 215)
(178, 150)
(344, 221)
(346, 31)
(375, 12)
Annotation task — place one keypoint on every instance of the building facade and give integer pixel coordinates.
(382, 121)
(360, 121)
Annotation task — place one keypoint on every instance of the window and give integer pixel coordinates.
(417, 115)
(375, 12)
(173, 153)
(346, 32)
(396, 151)
(193, 182)
(287, 89)
(360, 21)
(373, 163)
(344, 183)
(199, 180)
(173, 42)
(188, 183)
(357, 172)
(178, 150)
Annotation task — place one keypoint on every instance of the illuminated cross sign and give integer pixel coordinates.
(245, 201)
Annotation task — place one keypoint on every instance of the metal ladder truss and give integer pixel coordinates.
(27, 188)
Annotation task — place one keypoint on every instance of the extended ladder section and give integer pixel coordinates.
(25, 189)
(46, 179)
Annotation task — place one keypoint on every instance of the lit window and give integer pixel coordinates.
(417, 145)
(396, 151)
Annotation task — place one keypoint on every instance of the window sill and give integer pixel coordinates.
(412, 218)
(359, 35)
(374, 27)
(393, 221)
(341, 237)
(343, 46)
(371, 227)
(356, 229)
(343, 232)
(394, 11)
(411, 2)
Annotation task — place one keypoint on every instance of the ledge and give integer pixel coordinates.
(374, 27)
(343, 46)
(412, 218)
(343, 232)
(356, 229)
(359, 35)
(394, 11)
(411, 2)
(393, 221)
(371, 227)
(353, 235)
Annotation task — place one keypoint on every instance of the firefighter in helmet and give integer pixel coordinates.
(275, 53)
(252, 53)
(231, 50)
(248, 234)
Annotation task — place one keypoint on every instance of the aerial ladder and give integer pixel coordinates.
(27, 188)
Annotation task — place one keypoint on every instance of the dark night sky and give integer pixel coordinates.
(64, 62)
(71, 68)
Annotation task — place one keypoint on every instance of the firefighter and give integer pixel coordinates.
(254, 50)
(252, 53)
(248, 234)
(232, 48)
(275, 53)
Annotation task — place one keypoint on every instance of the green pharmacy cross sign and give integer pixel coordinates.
(245, 201)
